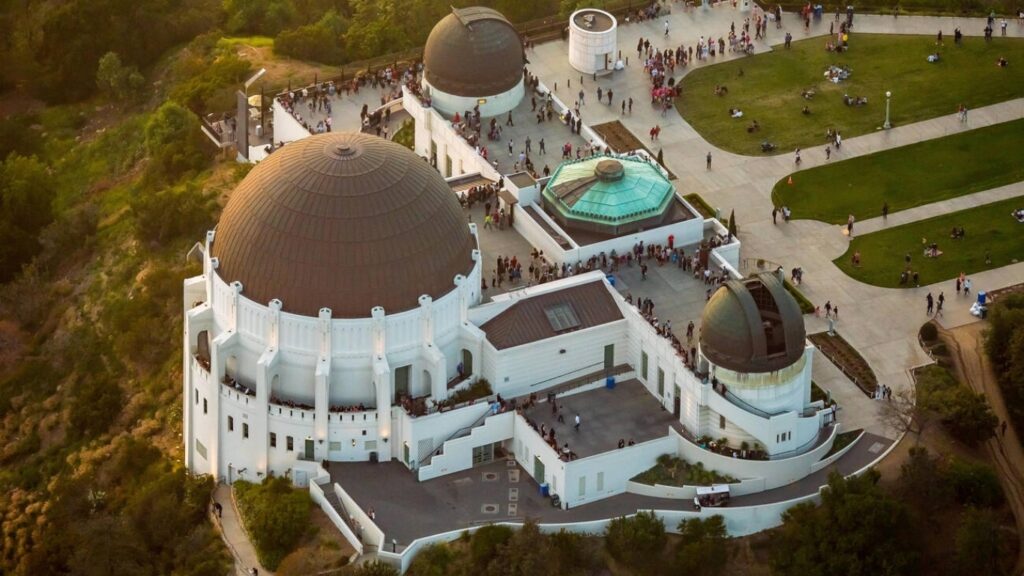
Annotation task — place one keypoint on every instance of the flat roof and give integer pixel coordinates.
(528, 320)
(593, 20)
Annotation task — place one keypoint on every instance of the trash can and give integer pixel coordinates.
(545, 490)
(984, 312)
(982, 295)
(818, 10)
(611, 279)
(609, 382)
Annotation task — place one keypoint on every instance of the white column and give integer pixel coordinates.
(322, 399)
(382, 380)
(220, 348)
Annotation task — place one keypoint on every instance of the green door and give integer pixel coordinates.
(538, 470)
(609, 357)
(402, 381)
(309, 449)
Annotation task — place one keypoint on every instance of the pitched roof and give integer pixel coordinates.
(531, 319)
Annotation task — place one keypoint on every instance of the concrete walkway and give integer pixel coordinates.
(234, 535)
(939, 208)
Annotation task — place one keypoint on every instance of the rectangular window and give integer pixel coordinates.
(583, 485)
(197, 395)
(273, 440)
(661, 382)
(721, 422)
(204, 405)
(600, 481)
(231, 424)
(643, 365)
(245, 430)
(200, 448)
(290, 443)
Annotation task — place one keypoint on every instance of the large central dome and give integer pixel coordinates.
(473, 52)
(343, 221)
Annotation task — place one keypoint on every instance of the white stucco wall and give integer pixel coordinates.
(587, 49)
(494, 105)
(286, 127)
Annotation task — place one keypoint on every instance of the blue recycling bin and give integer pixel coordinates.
(611, 279)
(981, 297)
(544, 490)
(609, 382)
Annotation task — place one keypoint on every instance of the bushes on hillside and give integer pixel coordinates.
(857, 529)
(319, 42)
(275, 515)
(174, 143)
(964, 413)
(638, 541)
(26, 206)
(1004, 343)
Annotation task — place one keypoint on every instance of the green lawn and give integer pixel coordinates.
(908, 176)
(772, 83)
(989, 228)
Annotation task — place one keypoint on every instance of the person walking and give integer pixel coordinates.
(508, 121)
(931, 303)
(709, 161)
(967, 287)
(938, 306)
(576, 423)
(828, 152)
(796, 160)
(828, 309)
(666, 27)
(885, 215)
(541, 145)
(582, 103)
(775, 215)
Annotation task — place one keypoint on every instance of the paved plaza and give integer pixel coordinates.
(503, 491)
(626, 412)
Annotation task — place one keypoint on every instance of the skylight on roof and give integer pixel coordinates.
(562, 317)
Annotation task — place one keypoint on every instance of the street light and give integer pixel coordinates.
(888, 96)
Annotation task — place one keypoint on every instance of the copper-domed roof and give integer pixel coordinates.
(343, 221)
(473, 52)
(752, 326)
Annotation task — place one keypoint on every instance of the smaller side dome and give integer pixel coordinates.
(475, 53)
(753, 326)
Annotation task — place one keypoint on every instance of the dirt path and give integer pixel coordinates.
(974, 368)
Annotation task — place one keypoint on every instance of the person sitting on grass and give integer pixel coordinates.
(1001, 62)
(721, 90)
(735, 113)
(933, 58)
(753, 127)
(806, 111)
(1019, 215)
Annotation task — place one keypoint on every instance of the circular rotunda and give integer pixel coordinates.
(343, 221)
(753, 339)
(592, 40)
(474, 56)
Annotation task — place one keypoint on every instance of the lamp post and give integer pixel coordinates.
(888, 96)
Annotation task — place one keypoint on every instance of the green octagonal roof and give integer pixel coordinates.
(609, 190)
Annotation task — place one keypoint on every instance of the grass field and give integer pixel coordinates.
(908, 176)
(989, 229)
(772, 83)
